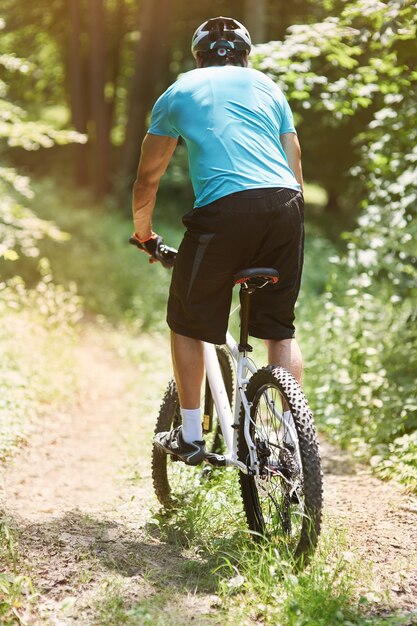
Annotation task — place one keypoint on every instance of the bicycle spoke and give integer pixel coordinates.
(282, 430)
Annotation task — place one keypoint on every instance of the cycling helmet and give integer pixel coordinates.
(222, 36)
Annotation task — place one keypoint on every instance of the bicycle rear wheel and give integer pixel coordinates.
(173, 479)
(286, 499)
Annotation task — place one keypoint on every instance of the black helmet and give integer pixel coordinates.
(221, 35)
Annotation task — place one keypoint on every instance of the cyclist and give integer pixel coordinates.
(245, 167)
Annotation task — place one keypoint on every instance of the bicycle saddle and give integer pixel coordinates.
(256, 276)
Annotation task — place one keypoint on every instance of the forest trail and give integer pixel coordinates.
(80, 498)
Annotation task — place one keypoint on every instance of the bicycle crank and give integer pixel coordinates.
(220, 460)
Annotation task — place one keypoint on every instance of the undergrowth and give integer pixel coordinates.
(37, 333)
(113, 278)
(17, 595)
(256, 581)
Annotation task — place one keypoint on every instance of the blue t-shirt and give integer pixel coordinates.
(231, 119)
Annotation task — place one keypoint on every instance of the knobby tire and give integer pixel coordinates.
(286, 501)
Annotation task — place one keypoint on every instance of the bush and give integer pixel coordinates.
(362, 358)
(113, 278)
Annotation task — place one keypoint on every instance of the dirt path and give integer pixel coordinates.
(381, 524)
(81, 498)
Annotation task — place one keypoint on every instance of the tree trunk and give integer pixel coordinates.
(99, 109)
(77, 85)
(118, 22)
(151, 55)
(255, 19)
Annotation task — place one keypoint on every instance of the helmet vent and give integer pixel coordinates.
(221, 30)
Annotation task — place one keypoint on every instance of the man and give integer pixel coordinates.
(245, 167)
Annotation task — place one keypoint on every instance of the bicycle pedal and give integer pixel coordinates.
(216, 460)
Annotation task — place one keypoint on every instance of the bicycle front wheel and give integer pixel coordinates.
(285, 499)
(172, 479)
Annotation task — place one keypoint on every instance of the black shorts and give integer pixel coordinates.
(253, 228)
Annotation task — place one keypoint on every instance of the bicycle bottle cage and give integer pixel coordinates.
(256, 277)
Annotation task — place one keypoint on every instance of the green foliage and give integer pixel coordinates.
(16, 590)
(398, 460)
(361, 386)
(265, 583)
(113, 278)
(211, 511)
(37, 324)
(20, 228)
(36, 34)
(256, 580)
(16, 125)
(337, 74)
(361, 364)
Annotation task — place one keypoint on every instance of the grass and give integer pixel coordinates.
(161, 609)
(37, 336)
(211, 513)
(256, 582)
(17, 595)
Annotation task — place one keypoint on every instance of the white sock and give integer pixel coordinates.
(287, 415)
(192, 429)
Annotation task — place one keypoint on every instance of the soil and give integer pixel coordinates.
(80, 498)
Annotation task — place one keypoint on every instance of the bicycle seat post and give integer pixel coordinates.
(249, 280)
(245, 294)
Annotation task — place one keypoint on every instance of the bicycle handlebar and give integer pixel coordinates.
(167, 253)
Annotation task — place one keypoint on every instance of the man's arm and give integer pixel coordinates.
(156, 153)
(292, 149)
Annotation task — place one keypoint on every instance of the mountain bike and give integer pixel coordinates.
(259, 422)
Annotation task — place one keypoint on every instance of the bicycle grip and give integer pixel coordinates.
(135, 242)
(166, 255)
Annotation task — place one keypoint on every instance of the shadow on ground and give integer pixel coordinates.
(62, 551)
(60, 548)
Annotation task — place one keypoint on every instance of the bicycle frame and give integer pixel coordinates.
(244, 366)
(229, 422)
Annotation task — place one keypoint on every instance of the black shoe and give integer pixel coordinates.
(173, 443)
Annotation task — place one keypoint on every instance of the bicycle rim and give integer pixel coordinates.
(285, 500)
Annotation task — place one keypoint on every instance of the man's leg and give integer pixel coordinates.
(186, 441)
(188, 361)
(286, 353)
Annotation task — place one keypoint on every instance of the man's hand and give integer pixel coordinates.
(155, 248)
(151, 245)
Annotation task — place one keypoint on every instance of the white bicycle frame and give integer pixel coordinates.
(229, 422)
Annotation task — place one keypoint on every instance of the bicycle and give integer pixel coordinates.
(265, 430)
